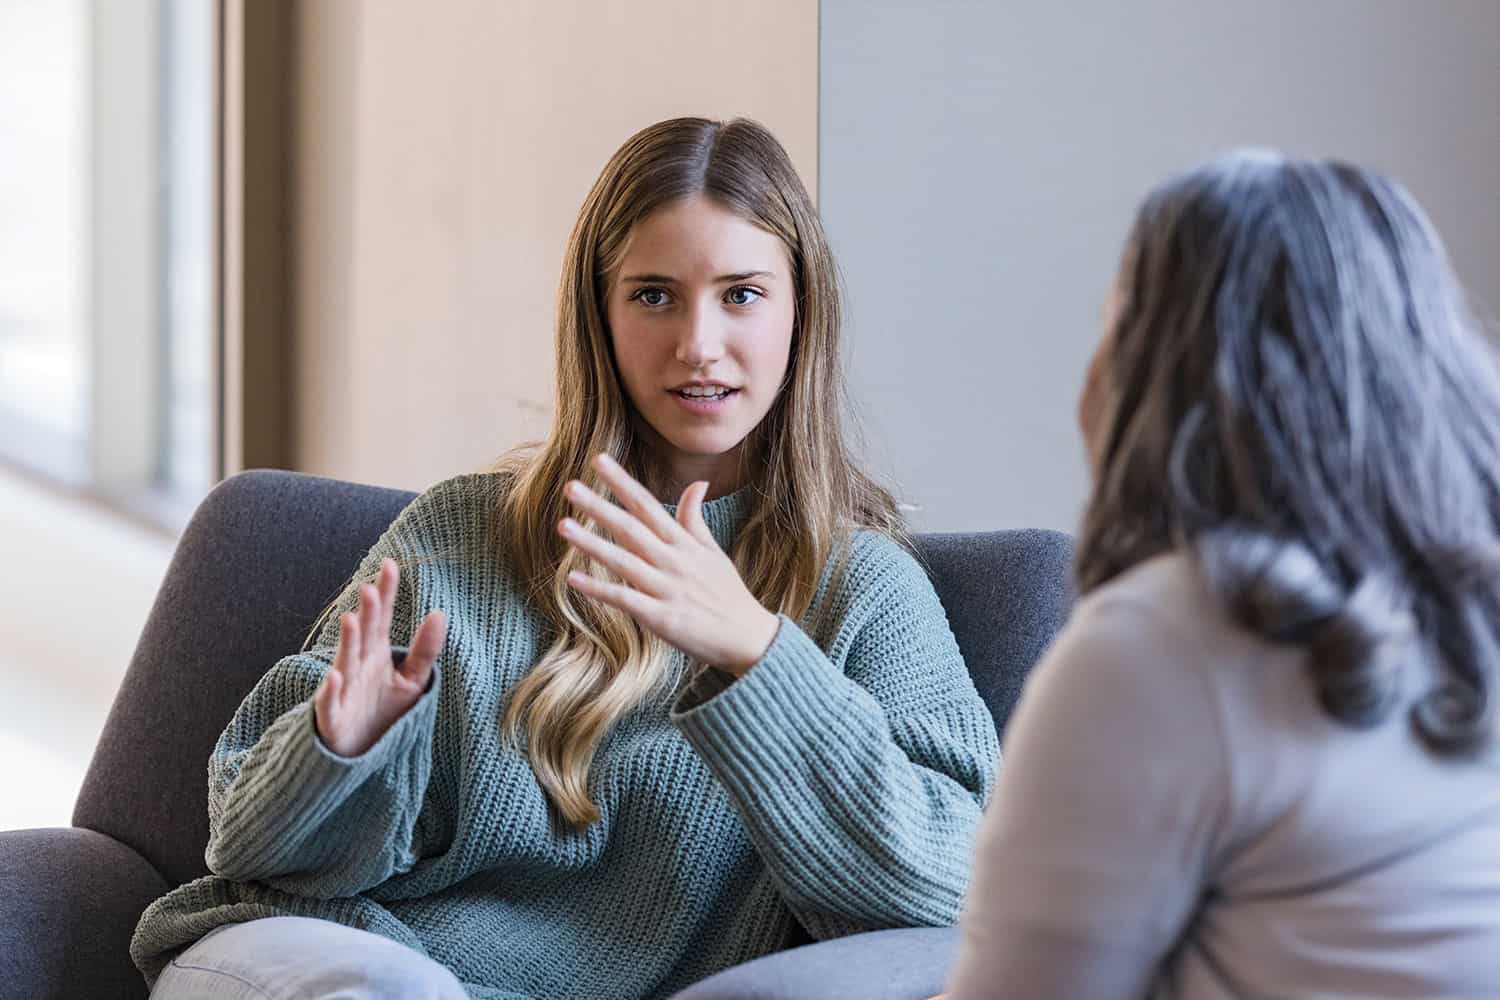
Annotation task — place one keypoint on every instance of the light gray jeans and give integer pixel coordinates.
(300, 958)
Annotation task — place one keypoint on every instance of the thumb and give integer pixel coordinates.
(690, 512)
(425, 647)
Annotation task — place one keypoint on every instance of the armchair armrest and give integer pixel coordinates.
(71, 901)
(902, 964)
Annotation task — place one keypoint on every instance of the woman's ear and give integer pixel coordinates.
(1094, 401)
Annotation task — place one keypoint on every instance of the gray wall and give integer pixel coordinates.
(980, 163)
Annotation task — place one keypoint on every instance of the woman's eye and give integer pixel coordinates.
(742, 295)
(651, 296)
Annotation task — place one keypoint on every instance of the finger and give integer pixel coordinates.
(636, 498)
(637, 605)
(326, 699)
(425, 647)
(635, 570)
(349, 649)
(390, 576)
(622, 525)
(690, 513)
(369, 617)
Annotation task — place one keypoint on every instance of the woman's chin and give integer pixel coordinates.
(704, 443)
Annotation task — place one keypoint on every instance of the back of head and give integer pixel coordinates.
(1298, 394)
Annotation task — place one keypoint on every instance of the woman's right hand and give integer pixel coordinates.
(365, 691)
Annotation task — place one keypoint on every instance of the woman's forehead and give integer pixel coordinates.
(696, 239)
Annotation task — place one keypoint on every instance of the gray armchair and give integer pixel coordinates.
(264, 553)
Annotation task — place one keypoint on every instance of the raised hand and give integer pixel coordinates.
(678, 582)
(365, 690)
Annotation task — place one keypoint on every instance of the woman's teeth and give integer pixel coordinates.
(704, 392)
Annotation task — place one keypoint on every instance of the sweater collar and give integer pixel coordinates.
(725, 515)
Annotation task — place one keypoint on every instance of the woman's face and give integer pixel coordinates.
(701, 314)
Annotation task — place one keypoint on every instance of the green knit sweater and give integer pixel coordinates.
(837, 785)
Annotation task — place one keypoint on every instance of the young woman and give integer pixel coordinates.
(687, 694)
(1260, 760)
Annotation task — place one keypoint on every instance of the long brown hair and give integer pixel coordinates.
(807, 494)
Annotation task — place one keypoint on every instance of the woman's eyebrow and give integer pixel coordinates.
(663, 279)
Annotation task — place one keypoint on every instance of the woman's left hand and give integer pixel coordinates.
(678, 582)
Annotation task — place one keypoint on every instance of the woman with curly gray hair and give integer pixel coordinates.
(1260, 759)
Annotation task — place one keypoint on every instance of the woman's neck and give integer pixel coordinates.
(675, 471)
(722, 473)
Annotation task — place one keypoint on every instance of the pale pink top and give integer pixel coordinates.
(1178, 818)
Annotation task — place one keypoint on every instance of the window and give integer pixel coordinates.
(108, 327)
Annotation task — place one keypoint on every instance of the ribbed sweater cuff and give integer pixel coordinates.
(303, 782)
(791, 709)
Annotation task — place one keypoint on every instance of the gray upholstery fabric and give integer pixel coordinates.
(908, 964)
(69, 900)
(264, 554)
(1007, 593)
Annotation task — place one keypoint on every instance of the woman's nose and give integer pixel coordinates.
(701, 341)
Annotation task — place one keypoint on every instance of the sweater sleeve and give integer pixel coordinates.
(860, 787)
(1104, 827)
(285, 810)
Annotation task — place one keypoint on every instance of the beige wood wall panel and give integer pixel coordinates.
(258, 392)
(442, 151)
(321, 234)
